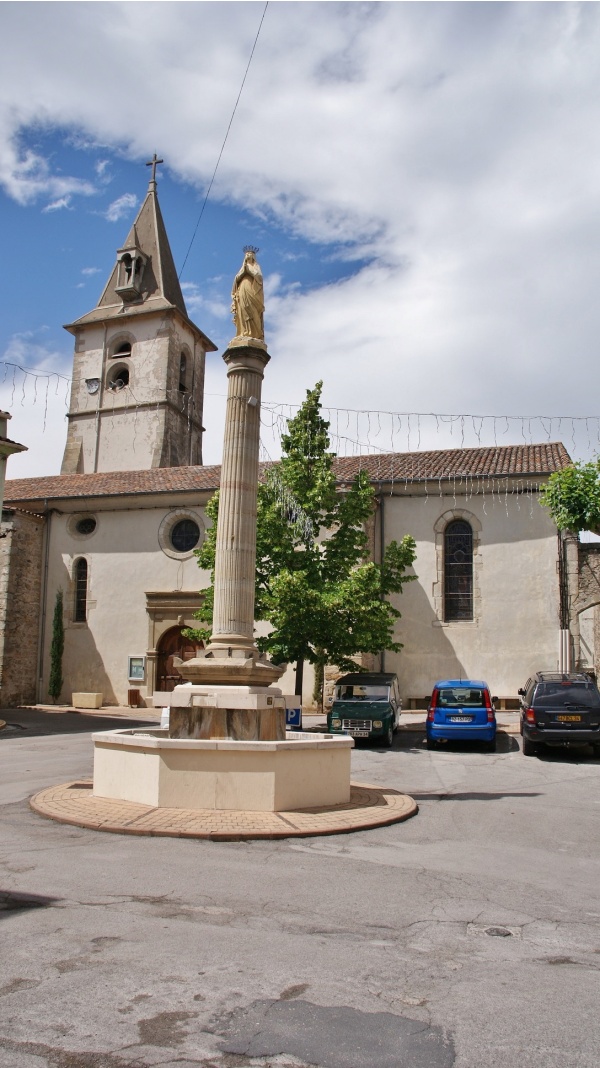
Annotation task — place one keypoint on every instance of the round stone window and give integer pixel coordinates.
(82, 525)
(180, 532)
(185, 535)
(86, 525)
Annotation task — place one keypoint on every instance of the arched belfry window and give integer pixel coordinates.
(80, 577)
(122, 349)
(182, 372)
(130, 269)
(458, 571)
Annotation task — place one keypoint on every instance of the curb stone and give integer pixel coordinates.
(369, 806)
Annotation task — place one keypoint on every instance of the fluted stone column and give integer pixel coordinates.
(235, 562)
(213, 708)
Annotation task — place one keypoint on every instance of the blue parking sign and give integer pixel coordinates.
(293, 713)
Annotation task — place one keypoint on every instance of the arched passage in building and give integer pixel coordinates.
(173, 644)
(585, 629)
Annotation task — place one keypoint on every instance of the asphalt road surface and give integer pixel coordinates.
(468, 936)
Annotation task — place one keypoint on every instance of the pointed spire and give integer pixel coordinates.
(144, 278)
(157, 277)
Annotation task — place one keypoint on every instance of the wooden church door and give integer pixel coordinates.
(173, 643)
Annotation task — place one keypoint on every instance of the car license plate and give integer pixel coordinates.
(461, 719)
(569, 719)
(359, 734)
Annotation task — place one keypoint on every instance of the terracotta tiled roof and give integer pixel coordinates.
(497, 460)
(111, 483)
(513, 460)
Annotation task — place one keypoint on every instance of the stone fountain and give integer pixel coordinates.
(226, 745)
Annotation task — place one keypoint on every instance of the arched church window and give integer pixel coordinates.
(80, 576)
(458, 571)
(182, 373)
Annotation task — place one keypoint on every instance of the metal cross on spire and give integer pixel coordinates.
(154, 164)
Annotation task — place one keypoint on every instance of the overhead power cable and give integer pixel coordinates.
(210, 184)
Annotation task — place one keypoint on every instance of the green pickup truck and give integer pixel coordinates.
(366, 705)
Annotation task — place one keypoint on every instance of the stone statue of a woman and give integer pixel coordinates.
(247, 298)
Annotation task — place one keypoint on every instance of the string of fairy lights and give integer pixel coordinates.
(394, 448)
(16, 379)
(353, 432)
(357, 430)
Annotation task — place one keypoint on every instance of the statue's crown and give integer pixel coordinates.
(251, 248)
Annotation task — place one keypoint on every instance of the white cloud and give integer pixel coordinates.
(26, 175)
(196, 301)
(101, 167)
(56, 205)
(121, 207)
(90, 270)
(454, 145)
(26, 351)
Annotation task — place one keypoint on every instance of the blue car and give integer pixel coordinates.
(461, 709)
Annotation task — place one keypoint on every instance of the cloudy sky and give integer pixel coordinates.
(423, 181)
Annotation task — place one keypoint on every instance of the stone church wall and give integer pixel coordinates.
(21, 541)
(134, 581)
(516, 602)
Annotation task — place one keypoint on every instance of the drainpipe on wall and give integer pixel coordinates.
(564, 651)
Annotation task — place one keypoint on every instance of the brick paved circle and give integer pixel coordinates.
(74, 802)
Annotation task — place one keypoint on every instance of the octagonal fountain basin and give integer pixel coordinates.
(304, 771)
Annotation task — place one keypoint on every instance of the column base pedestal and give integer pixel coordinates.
(234, 713)
(229, 670)
(233, 724)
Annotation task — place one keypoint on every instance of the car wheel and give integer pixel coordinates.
(431, 744)
(389, 737)
(492, 746)
(529, 748)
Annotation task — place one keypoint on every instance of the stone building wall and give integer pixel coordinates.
(582, 567)
(587, 592)
(21, 540)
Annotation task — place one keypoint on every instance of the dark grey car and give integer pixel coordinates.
(559, 709)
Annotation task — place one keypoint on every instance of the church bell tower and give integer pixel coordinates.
(138, 366)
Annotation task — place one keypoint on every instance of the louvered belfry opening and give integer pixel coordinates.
(458, 571)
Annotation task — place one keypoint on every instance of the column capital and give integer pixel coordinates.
(246, 358)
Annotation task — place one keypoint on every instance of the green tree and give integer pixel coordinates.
(56, 649)
(325, 600)
(572, 497)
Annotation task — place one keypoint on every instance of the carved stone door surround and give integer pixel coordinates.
(166, 609)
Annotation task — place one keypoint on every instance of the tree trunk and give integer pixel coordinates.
(319, 683)
(299, 677)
